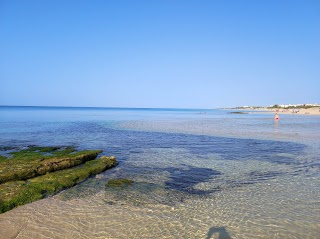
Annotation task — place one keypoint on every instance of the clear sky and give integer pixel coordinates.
(159, 53)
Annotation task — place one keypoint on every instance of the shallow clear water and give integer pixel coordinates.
(212, 175)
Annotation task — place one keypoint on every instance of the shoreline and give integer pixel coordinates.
(310, 111)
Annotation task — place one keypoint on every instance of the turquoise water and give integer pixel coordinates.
(198, 173)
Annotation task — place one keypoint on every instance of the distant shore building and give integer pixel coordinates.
(295, 105)
(277, 106)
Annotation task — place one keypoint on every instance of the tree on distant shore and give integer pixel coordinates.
(275, 106)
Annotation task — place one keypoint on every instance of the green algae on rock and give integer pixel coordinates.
(15, 193)
(119, 182)
(36, 161)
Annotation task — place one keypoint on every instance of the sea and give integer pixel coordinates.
(198, 173)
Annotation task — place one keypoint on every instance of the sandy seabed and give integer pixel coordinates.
(270, 209)
(256, 199)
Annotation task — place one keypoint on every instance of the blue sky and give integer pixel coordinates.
(168, 53)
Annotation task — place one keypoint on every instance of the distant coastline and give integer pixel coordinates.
(299, 109)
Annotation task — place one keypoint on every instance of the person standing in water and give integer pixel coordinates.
(276, 117)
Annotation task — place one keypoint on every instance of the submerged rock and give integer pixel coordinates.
(36, 161)
(238, 112)
(119, 182)
(15, 193)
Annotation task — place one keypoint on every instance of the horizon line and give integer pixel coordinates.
(109, 107)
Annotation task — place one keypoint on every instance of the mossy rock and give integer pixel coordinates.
(120, 182)
(13, 194)
(2, 158)
(36, 161)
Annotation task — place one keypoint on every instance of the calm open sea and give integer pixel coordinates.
(198, 174)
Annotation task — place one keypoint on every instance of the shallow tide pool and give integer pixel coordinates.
(196, 175)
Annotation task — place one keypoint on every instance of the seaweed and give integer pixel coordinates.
(2, 158)
(36, 161)
(120, 182)
(15, 193)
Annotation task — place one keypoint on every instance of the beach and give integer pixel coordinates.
(298, 111)
(213, 175)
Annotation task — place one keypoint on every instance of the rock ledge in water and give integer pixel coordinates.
(19, 192)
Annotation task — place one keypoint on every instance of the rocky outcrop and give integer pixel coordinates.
(15, 193)
(36, 172)
(36, 161)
